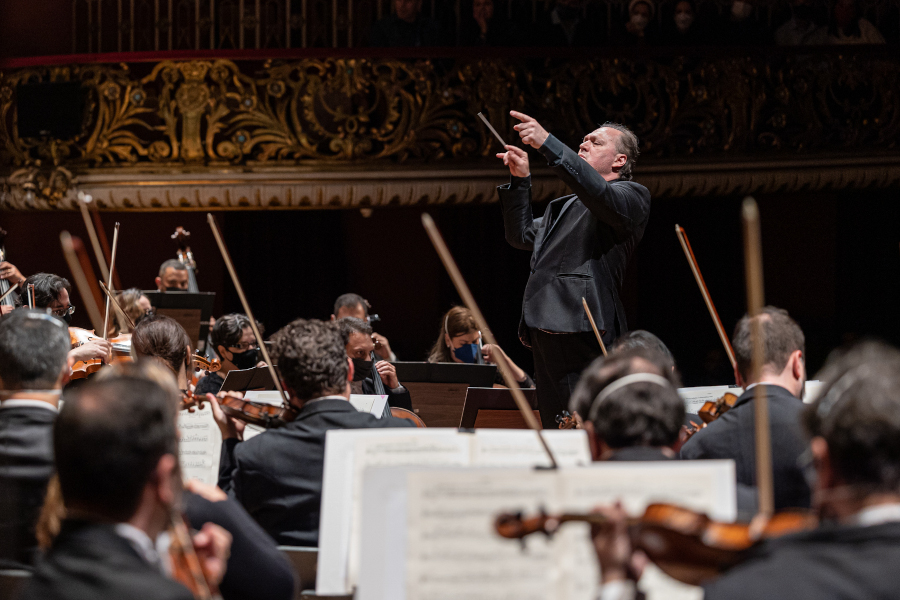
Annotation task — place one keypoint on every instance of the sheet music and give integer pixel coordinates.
(370, 403)
(452, 551)
(521, 448)
(200, 446)
(694, 397)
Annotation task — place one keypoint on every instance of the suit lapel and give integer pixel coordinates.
(555, 210)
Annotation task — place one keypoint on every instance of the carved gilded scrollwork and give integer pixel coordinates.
(369, 115)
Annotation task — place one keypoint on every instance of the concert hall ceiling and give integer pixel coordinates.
(352, 129)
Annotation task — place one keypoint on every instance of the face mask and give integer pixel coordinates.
(639, 21)
(245, 360)
(67, 318)
(467, 353)
(683, 21)
(741, 10)
(361, 368)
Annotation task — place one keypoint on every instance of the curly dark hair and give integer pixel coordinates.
(47, 288)
(162, 337)
(311, 357)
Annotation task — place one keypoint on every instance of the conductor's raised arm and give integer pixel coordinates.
(515, 200)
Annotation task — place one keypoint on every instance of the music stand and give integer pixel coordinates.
(494, 408)
(257, 378)
(191, 310)
(438, 390)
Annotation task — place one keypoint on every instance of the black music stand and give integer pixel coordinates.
(438, 390)
(256, 379)
(495, 408)
(191, 310)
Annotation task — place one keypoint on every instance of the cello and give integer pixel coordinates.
(6, 289)
(391, 411)
(186, 257)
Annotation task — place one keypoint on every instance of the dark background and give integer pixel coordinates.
(830, 258)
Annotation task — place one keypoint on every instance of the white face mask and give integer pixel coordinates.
(741, 9)
(683, 21)
(639, 21)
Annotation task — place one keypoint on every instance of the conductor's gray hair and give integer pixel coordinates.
(626, 144)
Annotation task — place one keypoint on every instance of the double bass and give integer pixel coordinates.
(391, 411)
(186, 257)
(6, 297)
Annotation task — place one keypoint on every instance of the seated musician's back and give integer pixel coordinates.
(783, 377)
(277, 475)
(855, 466)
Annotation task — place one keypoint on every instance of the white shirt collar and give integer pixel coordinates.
(22, 403)
(141, 543)
(876, 515)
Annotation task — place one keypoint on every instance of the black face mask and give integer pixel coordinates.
(361, 369)
(67, 318)
(246, 359)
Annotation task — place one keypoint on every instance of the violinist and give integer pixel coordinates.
(853, 465)
(277, 475)
(52, 292)
(33, 369)
(116, 453)
(10, 273)
(354, 305)
(630, 406)
(173, 276)
(163, 338)
(233, 340)
(783, 376)
(134, 304)
(357, 335)
(459, 341)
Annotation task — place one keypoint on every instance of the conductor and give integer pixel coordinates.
(580, 247)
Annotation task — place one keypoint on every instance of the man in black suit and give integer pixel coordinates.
(580, 248)
(277, 475)
(783, 376)
(33, 369)
(854, 464)
(630, 406)
(357, 336)
(116, 451)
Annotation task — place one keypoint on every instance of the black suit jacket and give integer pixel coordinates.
(580, 247)
(830, 563)
(277, 475)
(732, 436)
(26, 464)
(400, 399)
(90, 561)
(256, 568)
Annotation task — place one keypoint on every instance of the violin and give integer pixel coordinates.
(186, 257)
(567, 420)
(712, 410)
(266, 416)
(186, 566)
(83, 368)
(686, 545)
(402, 413)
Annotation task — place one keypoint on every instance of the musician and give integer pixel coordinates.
(630, 406)
(33, 369)
(10, 273)
(52, 292)
(116, 453)
(358, 342)
(783, 377)
(580, 247)
(459, 340)
(161, 337)
(173, 276)
(237, 347)
(277, 476)
(854, 464)
(354, 305)
(133, 303)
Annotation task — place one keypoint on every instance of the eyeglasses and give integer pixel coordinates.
(244, 347)
(62, 312)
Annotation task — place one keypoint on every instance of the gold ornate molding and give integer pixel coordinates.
(360, 132)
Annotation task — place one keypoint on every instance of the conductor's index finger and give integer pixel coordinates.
(515, 150)
(520, 116)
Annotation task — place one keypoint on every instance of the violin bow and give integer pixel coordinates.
(695, 269)
(754, 278)
(273, 370)
(83, 199)
(109, 284)
(83, 274)
(463, 289)
(11, 289)
(124, 319)
(593, 325)
(30, 292)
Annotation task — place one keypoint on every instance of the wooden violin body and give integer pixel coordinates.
(83, 368)
(684, 544)
(402, 413)
(712, 410)
(256, 413)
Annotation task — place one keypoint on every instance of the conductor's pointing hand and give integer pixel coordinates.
(529, 130)
(517, 161)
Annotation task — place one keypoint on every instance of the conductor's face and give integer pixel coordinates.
(600, 150)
